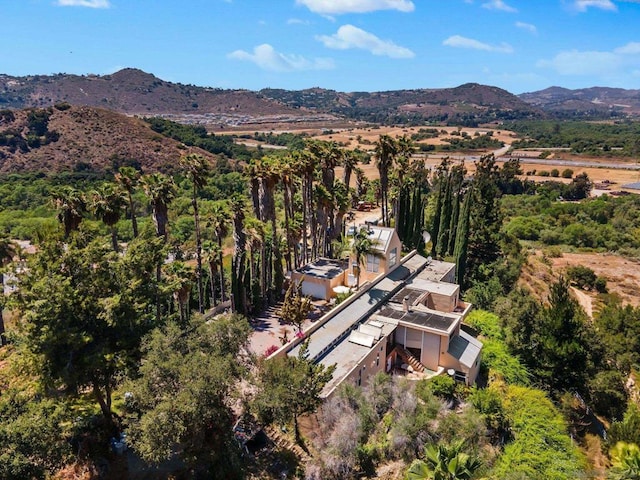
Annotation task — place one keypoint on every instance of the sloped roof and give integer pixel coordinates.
(465, 348)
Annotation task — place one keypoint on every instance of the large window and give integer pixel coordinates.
(393, 257)
(373, 263)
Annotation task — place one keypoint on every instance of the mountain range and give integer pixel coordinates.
(134, 92)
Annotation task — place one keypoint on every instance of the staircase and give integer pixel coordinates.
(410, 360)
(285, 443)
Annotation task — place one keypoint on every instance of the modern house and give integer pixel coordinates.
(407, 320)
(320, 278)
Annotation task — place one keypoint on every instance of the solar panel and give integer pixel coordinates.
(361, 339)
(375, 332)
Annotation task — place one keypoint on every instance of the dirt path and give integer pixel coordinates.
(584, 300)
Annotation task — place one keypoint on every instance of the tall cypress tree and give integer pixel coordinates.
(462, 239)
(445, 218)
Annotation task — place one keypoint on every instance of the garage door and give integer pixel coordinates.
(314, 290)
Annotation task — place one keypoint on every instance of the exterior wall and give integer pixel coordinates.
(372, 364)
(297, 277)
(447, 361)
(444, 303)
(328, 284)
(384, 267)
(450, 276)
(430, 350)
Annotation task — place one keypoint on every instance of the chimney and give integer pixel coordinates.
(405, 303)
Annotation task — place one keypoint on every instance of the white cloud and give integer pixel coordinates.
(527, 26)
(458, 41)
(622, 60)
(297, 21)
(498, 5)
(631, 48)
(267, 58)
(84, 3)
(348, 37)
(337, 7)
(583, 5)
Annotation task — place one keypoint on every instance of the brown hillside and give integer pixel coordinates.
(85, 138)
(133, 91)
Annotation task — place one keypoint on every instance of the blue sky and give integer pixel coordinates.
(347, 45)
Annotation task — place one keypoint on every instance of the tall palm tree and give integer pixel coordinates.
(180, 281)
(197, 168)
(107, 203)
(127, 178)
(219, 221)
(444, 462)
(385, 152)
(161, 190)
(70, 204)
(238, 292)
(349, 162)
(211, 255)
(8, 250)
(286, 173)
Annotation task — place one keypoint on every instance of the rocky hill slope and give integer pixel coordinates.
(80, 138)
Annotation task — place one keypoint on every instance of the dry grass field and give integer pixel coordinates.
(364, 138)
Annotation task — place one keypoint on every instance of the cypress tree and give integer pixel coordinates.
(462, 238)
(445, 219)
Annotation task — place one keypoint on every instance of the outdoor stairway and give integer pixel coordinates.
(282, 441)
(410, 360)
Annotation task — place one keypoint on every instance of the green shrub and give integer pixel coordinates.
(582, 277)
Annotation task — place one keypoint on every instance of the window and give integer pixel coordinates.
(373, 263)
(393, 257)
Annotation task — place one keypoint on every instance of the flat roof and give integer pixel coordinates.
(442, 288)
(323, 268)
(412, 295)
(436, 270)
(329, 344)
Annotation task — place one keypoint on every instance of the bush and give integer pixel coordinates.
(567, 173)
(600, 285)
(555, 173)
(442, 386)
(583, 277)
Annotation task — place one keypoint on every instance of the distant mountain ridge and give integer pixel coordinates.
(585, 101)
(134, 92)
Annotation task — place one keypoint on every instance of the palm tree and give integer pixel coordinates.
(107, 203)
(8, 250)
(349, 162)
(127, 178)
(211, 255)
(386, 151)
(444, 462)
(361, 247)
(219, 221)
(197, 168)
(70, 204)
(161, 190)
(238, 292)
(180, 281)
